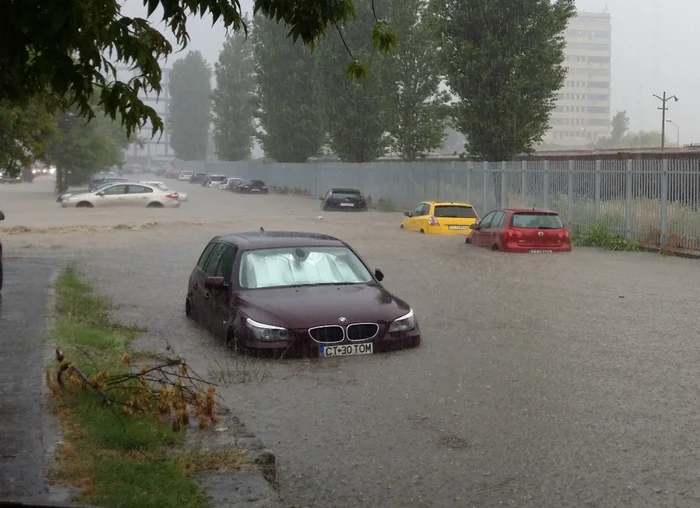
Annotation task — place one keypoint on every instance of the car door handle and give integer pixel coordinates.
(206, 296)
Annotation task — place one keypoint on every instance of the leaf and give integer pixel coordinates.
(357, 70)
(384, 38)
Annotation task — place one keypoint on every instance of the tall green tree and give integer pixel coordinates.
(417, 110)
(619, 125)
(25, 132)
(354, 113)
(503, 61)
(233, 99)
(286, 94)
(79, 149)
(62, 46)
(189, 108)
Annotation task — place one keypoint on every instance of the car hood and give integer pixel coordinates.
(304, 307)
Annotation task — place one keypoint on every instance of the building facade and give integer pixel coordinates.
(158, 147)
(582, 113)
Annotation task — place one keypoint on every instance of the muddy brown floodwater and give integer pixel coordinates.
(542, 381)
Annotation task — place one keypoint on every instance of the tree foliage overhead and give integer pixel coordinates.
(70, 47)
(354, 113)
(417, 109)
(286, 95)
(233, 99)
(503, 61)
(189, 108)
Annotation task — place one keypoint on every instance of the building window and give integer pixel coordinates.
(599, 59)
(598, 110)
(599, 84)
(601, 34)
(598, 122)
(598, 97)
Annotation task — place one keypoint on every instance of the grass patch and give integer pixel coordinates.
(120, 435)
(600, 234)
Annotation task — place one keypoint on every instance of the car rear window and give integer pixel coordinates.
(346, 194)
(257, 182)
(455, 211)
(218, 178)
(536, 220)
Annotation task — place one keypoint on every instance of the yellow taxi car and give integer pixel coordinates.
(441, 218)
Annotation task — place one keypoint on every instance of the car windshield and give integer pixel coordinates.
(536, 220)
(345, 194)
(455, 211)
(301, 266)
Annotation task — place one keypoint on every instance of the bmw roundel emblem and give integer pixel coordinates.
(342, 319)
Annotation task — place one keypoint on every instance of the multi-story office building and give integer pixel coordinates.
(157, 147)
(582, 113)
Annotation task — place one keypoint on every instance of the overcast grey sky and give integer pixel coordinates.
(655, 47)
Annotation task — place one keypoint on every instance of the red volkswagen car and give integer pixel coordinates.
(296, 294)
(521, 230)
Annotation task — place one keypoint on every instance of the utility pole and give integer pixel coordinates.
(663, 109)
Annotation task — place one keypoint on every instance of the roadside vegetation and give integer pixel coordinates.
(601, 234)
(123, 415)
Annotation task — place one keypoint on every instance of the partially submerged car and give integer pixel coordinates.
(2, 217)
(199, 178)
(296, 294)
(107, 183)
(521, 230)
(431, 217)
(251, 187)
(131, 194)
(344, 199)
(213, 180)
(182, 196)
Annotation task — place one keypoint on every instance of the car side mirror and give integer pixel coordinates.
(2, 216)
(474, 226)
(407, 214)
(100, 194)
(379, 275)
(214, 283)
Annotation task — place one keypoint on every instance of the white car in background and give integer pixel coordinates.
(185, 176)
(182, 195)
(123, 195)
(229, 183)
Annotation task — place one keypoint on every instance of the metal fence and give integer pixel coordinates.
(654, 202)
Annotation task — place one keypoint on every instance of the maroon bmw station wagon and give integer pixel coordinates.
(296, 294)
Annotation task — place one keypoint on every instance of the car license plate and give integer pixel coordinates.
(346, 350)
(540, 251)
(347, 204)
(255, 190)
(457, 227)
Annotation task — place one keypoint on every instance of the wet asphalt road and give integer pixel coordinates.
(22, 328)
(558, 381)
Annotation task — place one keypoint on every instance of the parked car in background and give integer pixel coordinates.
(2, 217)
(296, 294)
(119, 195)
(441, 218)
(251, 187)
(172, 175)
(232, 183)
(343, 199)
(213, 180)
(185, 176)
(198, 178)
(521, 230)
(182, 196)
(6, 178)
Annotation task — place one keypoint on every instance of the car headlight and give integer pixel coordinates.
(261, 331)
(405, 323)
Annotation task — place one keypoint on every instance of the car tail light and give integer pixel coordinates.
(432, 221)
(563, 234)
(512, 234)
(174, 195)
(362, 197)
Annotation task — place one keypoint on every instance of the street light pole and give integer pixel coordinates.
(678, 132)
(663, 109)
